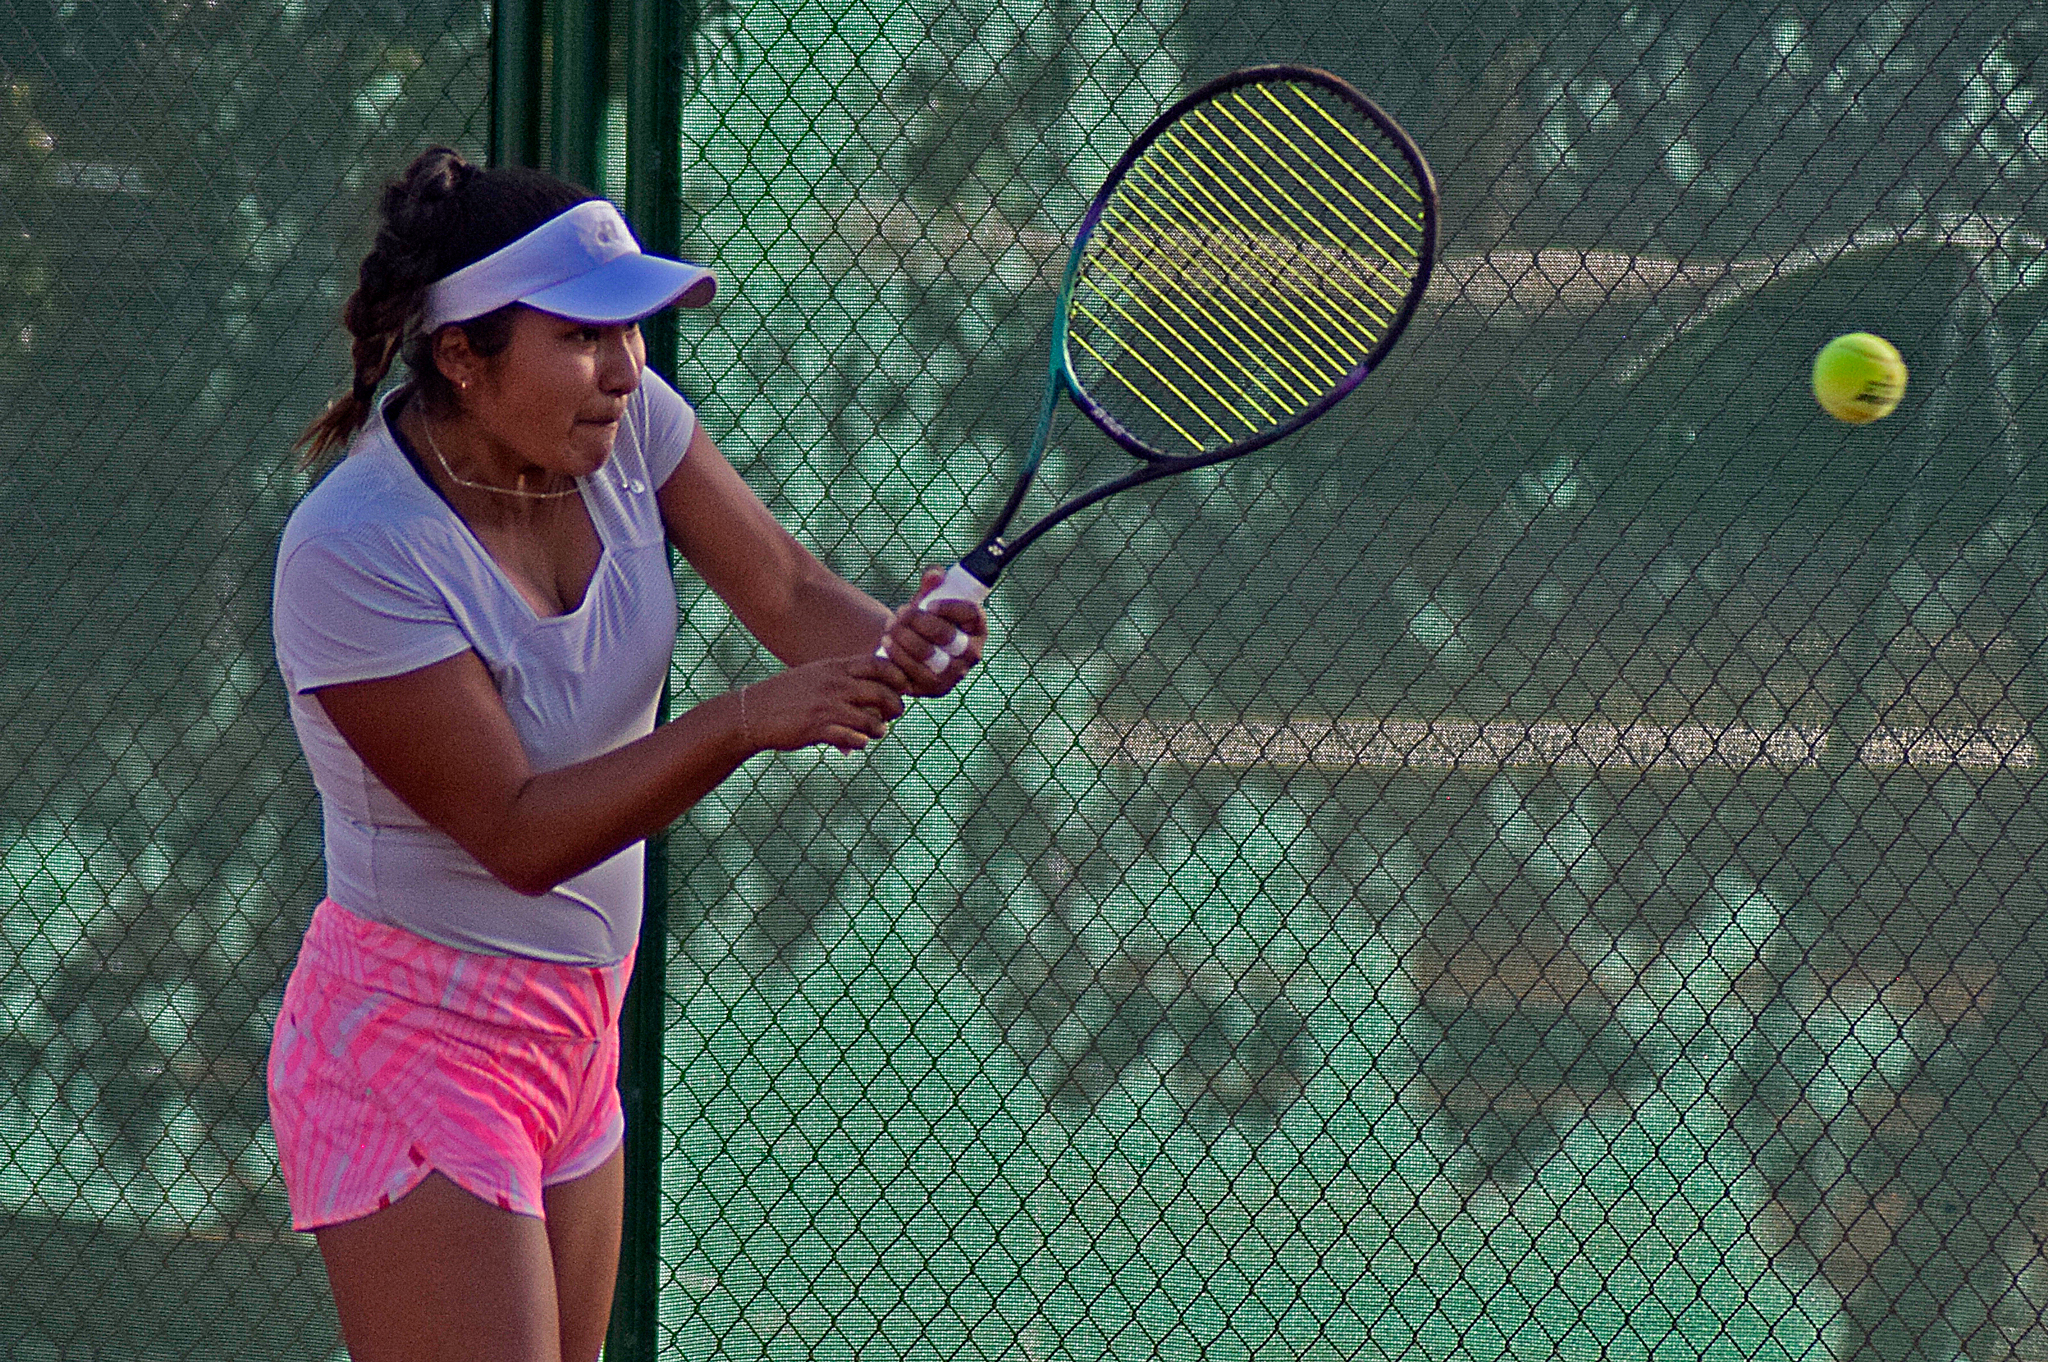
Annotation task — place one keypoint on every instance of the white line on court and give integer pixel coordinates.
(1453, 744)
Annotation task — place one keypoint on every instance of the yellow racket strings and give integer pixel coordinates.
(1246, 265)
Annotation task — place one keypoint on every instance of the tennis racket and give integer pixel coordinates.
(1251, 258)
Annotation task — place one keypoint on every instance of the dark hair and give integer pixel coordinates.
(440, 214)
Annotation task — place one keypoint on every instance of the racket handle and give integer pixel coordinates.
(958, 585)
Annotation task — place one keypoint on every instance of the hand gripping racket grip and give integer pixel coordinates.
(958, 585)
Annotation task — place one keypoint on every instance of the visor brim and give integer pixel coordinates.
(626, 290)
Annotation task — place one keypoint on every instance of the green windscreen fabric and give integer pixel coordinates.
(1546, 862)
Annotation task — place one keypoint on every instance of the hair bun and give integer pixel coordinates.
(436, 173)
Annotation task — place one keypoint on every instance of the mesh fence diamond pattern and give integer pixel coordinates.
(1545, 863)
(182, 202)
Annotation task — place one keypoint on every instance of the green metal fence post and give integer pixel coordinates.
(578, 77)
(552, 81)
(517, 51)
(655, 34)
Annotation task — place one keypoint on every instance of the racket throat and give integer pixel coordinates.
(987, 562)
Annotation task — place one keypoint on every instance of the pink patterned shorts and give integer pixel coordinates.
(396, 1057)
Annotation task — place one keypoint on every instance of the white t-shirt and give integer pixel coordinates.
(377, 576)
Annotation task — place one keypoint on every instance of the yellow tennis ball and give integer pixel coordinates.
(1859, 377)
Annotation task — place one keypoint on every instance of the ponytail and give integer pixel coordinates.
(440, 214)
(372, 351)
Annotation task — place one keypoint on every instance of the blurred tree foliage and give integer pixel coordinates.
(1589, 489)
(186, 188)
(26, 286)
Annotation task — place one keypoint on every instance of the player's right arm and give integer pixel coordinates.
(799, 608)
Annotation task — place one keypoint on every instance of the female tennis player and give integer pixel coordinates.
(474, 614)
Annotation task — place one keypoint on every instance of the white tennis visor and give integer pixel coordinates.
(582, 264)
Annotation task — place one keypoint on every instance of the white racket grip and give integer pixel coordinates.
(958, 585)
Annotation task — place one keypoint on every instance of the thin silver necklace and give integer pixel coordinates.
(427, 426)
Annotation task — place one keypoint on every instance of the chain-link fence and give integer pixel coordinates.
(183, 198)
(1543, 864)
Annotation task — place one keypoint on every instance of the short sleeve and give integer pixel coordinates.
(669, 422)
(355, 607)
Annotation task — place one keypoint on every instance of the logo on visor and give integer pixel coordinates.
(605, 236)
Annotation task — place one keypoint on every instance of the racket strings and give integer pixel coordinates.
(1159, 253)
(1194, 267)
(1289, 263)
(1290, 177)
(1396, 244)
(1275, 245)
(1246, 267)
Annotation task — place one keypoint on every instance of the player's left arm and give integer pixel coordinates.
(798, 608)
